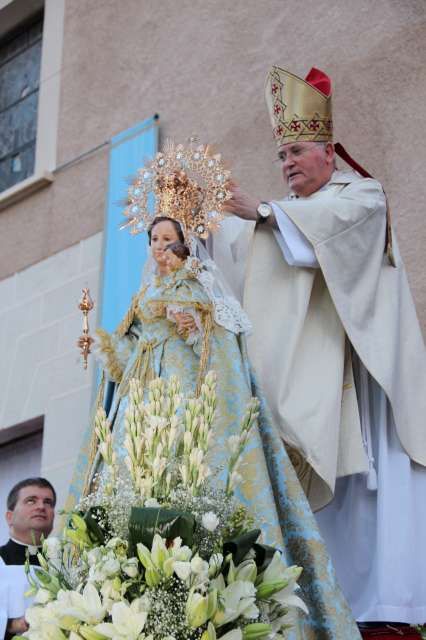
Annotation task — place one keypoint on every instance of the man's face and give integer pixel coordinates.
(307, 166)
(34, 512)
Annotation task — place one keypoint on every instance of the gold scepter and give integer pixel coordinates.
(85, 340)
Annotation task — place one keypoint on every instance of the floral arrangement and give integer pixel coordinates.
(158, 550)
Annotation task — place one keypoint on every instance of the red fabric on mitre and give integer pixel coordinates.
(319, 80)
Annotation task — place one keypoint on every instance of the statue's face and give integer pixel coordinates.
(307, 166)
(163, 234)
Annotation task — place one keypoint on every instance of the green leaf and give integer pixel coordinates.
(145, 522)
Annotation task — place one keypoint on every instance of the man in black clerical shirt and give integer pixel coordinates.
(30, 513)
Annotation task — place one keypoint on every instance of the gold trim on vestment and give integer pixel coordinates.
(106, 345)
(93, 444)
(302, 468)
(143, 367)
(127, 321)
(207, 321)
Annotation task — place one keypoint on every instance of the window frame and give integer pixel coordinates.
(14, 13)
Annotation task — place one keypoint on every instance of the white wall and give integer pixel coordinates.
(40, 369)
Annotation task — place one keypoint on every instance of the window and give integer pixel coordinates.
(20, 58)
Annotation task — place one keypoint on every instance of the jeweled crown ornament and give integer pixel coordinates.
(300, 110)
(189, 185)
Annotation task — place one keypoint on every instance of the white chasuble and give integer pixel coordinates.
(299, 357)
(300, 317)
(346, 224)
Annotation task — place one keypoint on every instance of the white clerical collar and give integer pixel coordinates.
(33, 549)
(294, 196)
(337, 177)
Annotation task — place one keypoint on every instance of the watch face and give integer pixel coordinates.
(264, 210)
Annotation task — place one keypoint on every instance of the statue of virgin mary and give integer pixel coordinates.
(184, 321)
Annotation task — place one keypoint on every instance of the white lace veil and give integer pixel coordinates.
(227, 310)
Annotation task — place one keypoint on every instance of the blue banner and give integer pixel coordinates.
(123, 254)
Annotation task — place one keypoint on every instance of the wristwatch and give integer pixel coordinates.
(264, 210)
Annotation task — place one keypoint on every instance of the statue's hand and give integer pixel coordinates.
(185, 323)
(81, 342)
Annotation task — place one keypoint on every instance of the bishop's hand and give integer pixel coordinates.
(241, 204)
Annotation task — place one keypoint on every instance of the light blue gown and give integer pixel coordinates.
(146, 345)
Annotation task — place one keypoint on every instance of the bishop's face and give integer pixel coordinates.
(33, 514)
(307, 166)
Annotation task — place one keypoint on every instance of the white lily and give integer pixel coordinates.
(48, 632)
(52, 548)
(127, 623)
(246, 571)
(111, 566)
(94, 556)
(107, 567)
(238, 599)
(119, 546)
(179, 551)
(161, 560)
(277, 572)
(182, 570)
(159, 552)
(200, 608)
(43, 596)
(86, 606)
(130, 567)
(111, 589)
(287, 598)
(44, 624)
(275, 569)
(196, 610)
(215, 564)
(218, 582)
(199, 566)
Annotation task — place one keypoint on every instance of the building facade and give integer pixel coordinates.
(106, 65)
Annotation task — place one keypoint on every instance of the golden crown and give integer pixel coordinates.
(298, 111)
(188, 184)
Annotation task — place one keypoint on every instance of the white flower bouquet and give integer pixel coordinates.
(157, 551)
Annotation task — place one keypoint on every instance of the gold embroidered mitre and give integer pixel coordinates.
(300, 110)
